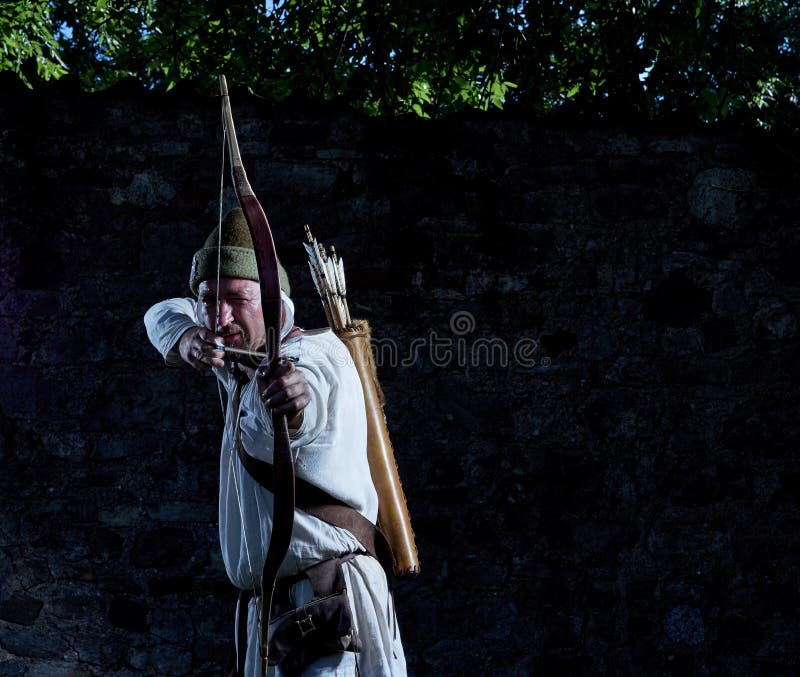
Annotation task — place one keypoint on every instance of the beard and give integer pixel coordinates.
(236, 336)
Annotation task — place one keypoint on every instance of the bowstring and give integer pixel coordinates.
(219, 222)
(237, 414)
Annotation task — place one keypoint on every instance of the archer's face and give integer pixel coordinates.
(240, 321)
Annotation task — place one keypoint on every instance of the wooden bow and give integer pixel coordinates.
(267, 262)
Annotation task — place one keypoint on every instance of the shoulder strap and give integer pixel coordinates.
(323, 506)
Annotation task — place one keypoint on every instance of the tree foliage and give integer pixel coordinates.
(702, 59)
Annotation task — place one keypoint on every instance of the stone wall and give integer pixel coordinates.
(589, 349)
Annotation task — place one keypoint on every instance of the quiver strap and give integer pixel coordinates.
(322, 505)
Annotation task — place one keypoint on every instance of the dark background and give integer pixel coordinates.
(626, 505)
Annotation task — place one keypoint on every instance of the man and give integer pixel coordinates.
(320, 393)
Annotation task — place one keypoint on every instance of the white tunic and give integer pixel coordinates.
(330, 452)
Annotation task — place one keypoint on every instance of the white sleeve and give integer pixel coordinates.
(315, 415)
(166, 322)
(256, 421)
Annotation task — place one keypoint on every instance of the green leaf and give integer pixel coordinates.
(388, 58)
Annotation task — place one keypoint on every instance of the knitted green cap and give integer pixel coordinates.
(236, 255)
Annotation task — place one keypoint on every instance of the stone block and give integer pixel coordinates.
(716, 196)
(73, 601)
(170, 148)
(774, 319)
(36, 643)
(121, 516)
(172, 625)
(684, 625)
(275, 178)
(681, 341)
(146, 189)
(184, 512)
(620, 144)
(678, 146)
(728, 300)
(57, 669)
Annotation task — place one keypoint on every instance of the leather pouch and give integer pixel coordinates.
(299, 636)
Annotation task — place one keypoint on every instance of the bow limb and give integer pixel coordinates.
(267, 263)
